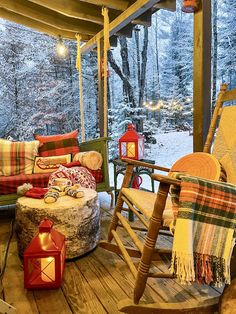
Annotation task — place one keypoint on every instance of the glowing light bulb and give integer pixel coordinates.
(61, 48)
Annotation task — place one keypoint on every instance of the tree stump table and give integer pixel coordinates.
(77, 218)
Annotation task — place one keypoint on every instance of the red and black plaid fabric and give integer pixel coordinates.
(97, 174)
(8, 185)
(60, 147)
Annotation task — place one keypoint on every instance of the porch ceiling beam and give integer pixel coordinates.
(38, 26)
(74, 8)
(49, 17)
(126, 31)
(134, 11)
(120, 5)
(145, 19)
(166, 5)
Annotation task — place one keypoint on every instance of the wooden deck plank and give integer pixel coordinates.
(51, 301)
(121, 273)
(94, 283)
(105, 287)
(4, 235)
(13, 283)
(161, 286)
(78, 292)
(179, 293)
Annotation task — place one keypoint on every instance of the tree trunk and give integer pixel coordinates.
(136, 33)
(157, 63)
(143, 67)
(124, 56)
(214, 66)
(127, 86)
(125, 65)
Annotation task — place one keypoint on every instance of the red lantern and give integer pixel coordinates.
(131, 144)
(190, 6)
(44, 258)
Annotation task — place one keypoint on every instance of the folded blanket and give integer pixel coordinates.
(36, 192)
(204, 231)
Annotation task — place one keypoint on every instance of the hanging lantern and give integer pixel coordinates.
(131, 144)
(44, 258)
(190, 6)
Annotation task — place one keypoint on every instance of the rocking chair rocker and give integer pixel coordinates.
(150, 210)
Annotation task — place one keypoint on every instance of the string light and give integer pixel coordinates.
(151, 106)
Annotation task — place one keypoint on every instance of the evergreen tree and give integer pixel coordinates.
(227, 42)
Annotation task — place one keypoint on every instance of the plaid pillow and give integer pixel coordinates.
(17, 157)
(56, 137)
(61, 147)
(59, 144)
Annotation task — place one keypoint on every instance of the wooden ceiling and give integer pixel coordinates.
(68, 17)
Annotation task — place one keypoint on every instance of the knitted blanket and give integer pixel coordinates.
(204, 231)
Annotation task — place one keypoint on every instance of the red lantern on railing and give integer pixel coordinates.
(190, 6)
(131, 144)
(44, 258)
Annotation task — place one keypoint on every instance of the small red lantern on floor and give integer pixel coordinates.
(190, 6)
(44, 258)
(131, 144)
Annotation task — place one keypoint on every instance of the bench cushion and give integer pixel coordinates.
(8, 185)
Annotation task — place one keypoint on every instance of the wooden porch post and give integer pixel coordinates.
(100, 86)
(202, 74)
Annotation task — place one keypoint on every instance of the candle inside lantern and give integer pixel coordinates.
(131, 149)
(48, 269)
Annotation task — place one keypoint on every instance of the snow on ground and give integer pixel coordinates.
(169, 148)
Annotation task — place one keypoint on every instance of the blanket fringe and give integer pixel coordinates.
(182, 267)
(202, 268)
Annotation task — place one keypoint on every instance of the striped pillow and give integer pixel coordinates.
(17, 157)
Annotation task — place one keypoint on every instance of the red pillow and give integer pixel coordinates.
(60, 144)
(57, 137)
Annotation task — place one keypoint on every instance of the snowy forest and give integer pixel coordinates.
(150, 77)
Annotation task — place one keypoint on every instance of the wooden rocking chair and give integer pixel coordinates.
(150, 210)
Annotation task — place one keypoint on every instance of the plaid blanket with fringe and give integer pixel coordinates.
(204, 230)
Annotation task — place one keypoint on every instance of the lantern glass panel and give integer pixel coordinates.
(131, 149)
(123, 149)
(34, 270)
(48, 269)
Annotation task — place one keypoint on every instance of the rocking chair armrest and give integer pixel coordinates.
(144, 164)
(165, 179)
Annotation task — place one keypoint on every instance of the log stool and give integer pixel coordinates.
(77, 218)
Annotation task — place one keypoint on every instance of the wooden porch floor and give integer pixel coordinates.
(92, 284)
